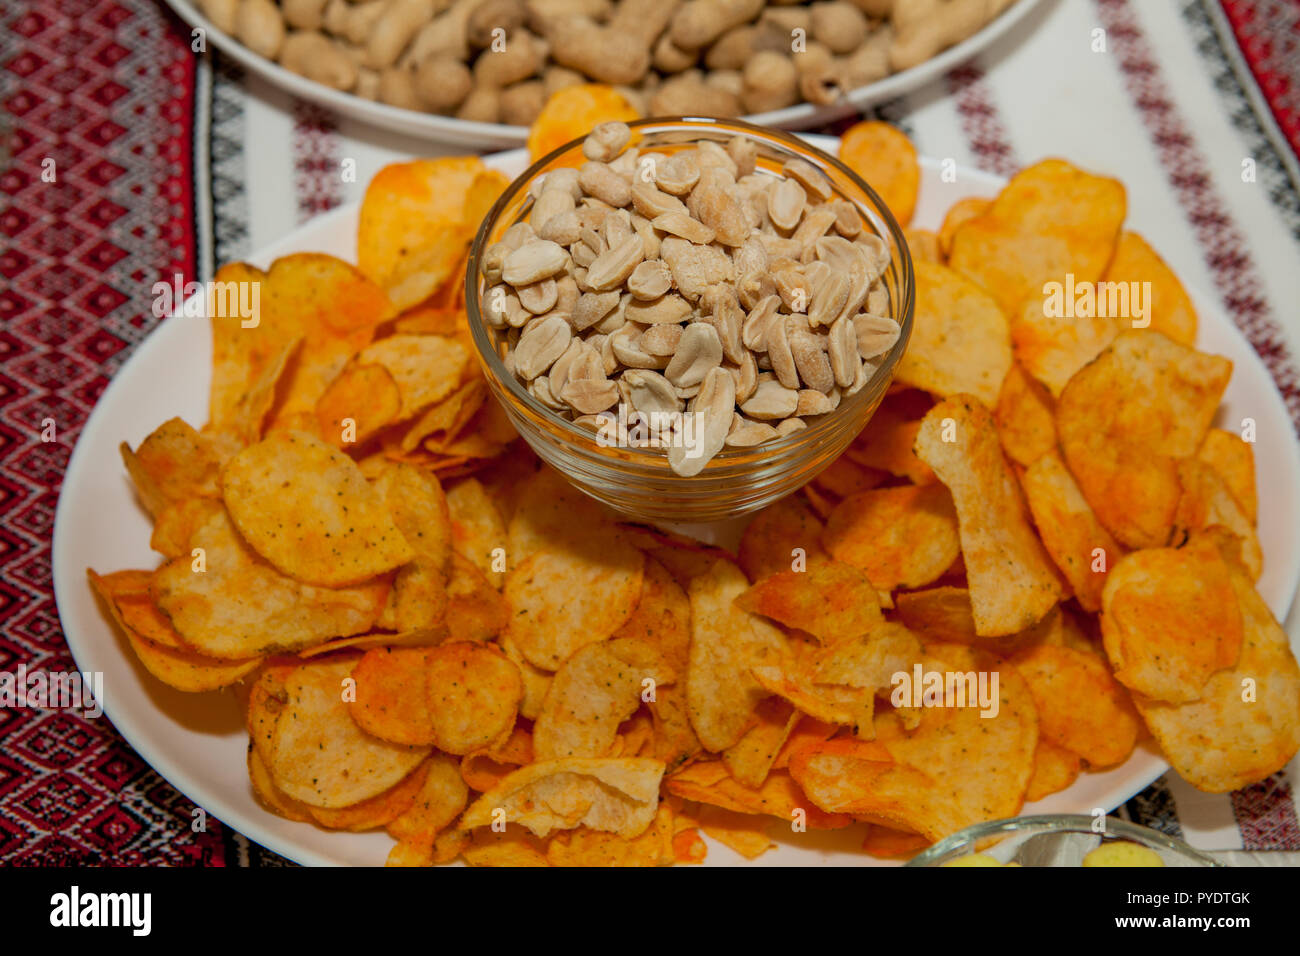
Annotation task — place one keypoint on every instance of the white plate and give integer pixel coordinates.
(457, 132)
(198, 741)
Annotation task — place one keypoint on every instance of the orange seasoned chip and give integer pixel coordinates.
(1206, 502)
(958, 213)
(586, 847)
(357, 404)
(414, 225)
(844, 477)
(377, 811)
(476, 611)
(675, 741)
(441, 798)
(662, 619)
(446, 419)
(1082, 549)
(710, 784)
(830, 600)
(269, 795)
(425, 368)
(887, 443)
(238, 606)
(890, 843)
(1124, 422)
(173, 464)
(886, 159)
(477, 530)
(900, 537)
(750, 759)
(777, 536)
(178, 522)
(726, 643)
(743, 832)
(1025, 416)
(940, 614)
(960, 338)
(1051, 346)
(474, 693)
(1170, 620)
(573, 112)
(1013, 582)
(1245, 725)
(305, 507)
(1081, 707)
(391, 699)
(1055, 768)
(1051, 219)
(924, 246)
(415, 501)
(318, 299)
(1234, 461)
(1168, 309)
(512, 847)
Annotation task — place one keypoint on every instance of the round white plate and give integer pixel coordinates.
(197, 741)
(452, 131)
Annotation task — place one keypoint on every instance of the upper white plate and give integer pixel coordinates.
(198, 741)
(448, 129)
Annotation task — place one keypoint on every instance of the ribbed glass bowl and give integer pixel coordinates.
(1060, 839)
(638, 481)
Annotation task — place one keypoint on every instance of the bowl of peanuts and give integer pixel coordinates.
(689, 318)
(479, 72)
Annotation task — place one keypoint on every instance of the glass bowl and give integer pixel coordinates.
(1054, 840)
(639, 481)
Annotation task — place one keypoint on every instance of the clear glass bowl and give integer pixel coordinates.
(1054, 840)
(639, 481)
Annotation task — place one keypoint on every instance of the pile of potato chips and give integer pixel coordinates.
(433, 634)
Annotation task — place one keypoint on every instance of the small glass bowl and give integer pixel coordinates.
(1060, 839)
(639, 481)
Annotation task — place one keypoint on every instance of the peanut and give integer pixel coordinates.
(317, 57)
(442, 83)
(222, 13)
(259, 26)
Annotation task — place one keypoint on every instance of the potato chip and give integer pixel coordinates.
(886, 159)
(924, 246)
(890, 843)
(1013, 582)
(1055, 768)
(551, 513)
(513, 847)
(779, 535)
(1051, 347)
(1080, 705)
(320, 755)
(178, 522)
(584, 847)
(594, 691)
(900, 537)
(1234, 461)
(392, 700)
(689, 847)
(269, 795)
(844, 477)
(831, 601)
(239, 606)
(1025, 416)
(573, 112)
(662, 619)
(1169, 309)
(1206, 502)
(1050, 220)
(477, 530)
(795, 681)
(618, 795)
(1126, 419)
(378, 811)
(474, 693)
(745, 833)
(958, 213)
(1245, 726)
(484, 769)
(727, 642)
(806, 732)
(357, 404)
(439, 801)
(476, 611)
(318, 299)
(750, 759)
(988, 760)
(446, 419)
(960, 339)
(536, 681)
(887, 443)
(419, 509)
(414, 225)
(425, 368)
(308, 510)
(940, 614)
(675, 741)
(779, 796)
(868, 660)
(1170, 620)
(561, 600)
(1082, 549)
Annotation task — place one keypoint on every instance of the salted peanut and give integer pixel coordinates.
(814, 225)
(722, 310)
(651, 201)
(745, 433)
(875, 334)
(813, 402)
(317, 57)
(754, 331)
(598, 180)
(661, 339)
(541, 345)
(649, 280)
(259, 26)
(697, 23)
(769, 81)
(790, 426)
(626, 347)
(669, 308)
(442, 83)
(848, 221)
(714, 407)
(533, 261)
(812, 179)
(695, 268)
(648, 391)
(829, 295)
(613, 266)
(558, 376)
(589, 396)
(838, 24)
(785, 204)
(779, 351)
(744, 153)
(223, 14)
(681, 224)
(606, 141)
(842, 349)
(771, 400)
(553, 201)
(698, 352)
(678, 174)
(540, 297)
(592, 307)
(564, 228)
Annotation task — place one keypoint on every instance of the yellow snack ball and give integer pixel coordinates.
(1121, 853)
(974, 859)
